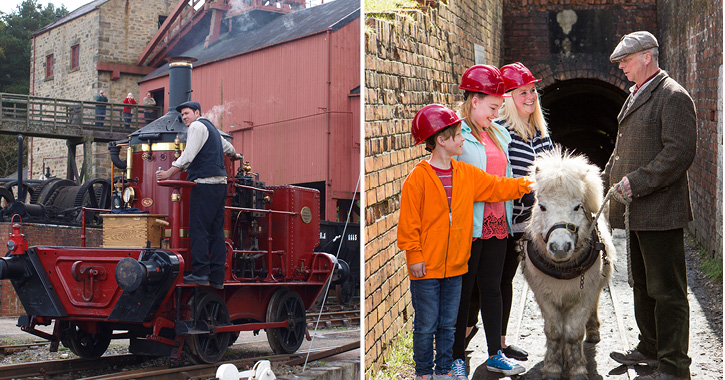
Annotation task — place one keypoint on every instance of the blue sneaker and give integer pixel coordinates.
(500, 363)
(459, 370)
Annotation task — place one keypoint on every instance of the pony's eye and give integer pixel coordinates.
(542, 207)
(577, 208)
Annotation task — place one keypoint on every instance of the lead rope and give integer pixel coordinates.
(626, 200)
(327, 288)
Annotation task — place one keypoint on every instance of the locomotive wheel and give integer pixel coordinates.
(85, 344)
(209, 348)
(286, 305)
(344, 292)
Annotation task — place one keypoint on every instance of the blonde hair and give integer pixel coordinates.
(466, 112)
(526, 129)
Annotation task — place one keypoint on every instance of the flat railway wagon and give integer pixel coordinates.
(124, 290)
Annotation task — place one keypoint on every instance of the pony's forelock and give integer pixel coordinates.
(564, 174)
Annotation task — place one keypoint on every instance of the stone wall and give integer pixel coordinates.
(38, 234)
(116, 32)
(691, 50)
(413, 60)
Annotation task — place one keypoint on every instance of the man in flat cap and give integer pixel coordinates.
(656, 144)
(203, 160)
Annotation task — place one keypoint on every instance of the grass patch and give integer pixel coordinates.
(387, 9)
(399, 362)
(389, 6)
(711, 267)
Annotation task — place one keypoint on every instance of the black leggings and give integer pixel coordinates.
(485, 267)
(510, 265)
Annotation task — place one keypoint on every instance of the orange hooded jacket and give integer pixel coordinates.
(430, 232)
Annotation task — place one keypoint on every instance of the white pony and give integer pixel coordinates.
(565, 267)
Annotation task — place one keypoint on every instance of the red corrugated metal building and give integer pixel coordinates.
(288, 92)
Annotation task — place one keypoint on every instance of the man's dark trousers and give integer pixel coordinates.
(660, 298)
(206, 230)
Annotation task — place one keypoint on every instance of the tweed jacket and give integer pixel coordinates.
(656, 144)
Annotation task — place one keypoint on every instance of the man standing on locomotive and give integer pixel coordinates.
(203, 160)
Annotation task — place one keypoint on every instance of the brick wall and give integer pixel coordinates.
(38, 234)
(411, 61)
(690, 38)
(116, 32)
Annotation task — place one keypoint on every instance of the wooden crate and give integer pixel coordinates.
(133, 230)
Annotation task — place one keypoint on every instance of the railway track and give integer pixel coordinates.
(46, 369)
(9, 349)
(66, 368)
(328, 319)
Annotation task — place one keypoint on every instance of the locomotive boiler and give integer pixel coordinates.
(93, 295)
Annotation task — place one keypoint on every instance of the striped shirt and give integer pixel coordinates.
(446, 176)
(522, 154)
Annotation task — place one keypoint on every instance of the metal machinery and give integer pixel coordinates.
(94, 295)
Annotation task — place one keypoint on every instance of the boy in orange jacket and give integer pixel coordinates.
(435, 229)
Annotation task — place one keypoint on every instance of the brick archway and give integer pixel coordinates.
(582, 115)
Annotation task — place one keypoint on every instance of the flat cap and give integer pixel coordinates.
(190, 104)
(632, 43)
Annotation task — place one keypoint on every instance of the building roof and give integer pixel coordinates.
(80, 11)
(333, 15)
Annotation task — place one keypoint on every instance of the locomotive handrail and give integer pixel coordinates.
(253, 188)
(176, 182)
(261, 210)
(83, 221)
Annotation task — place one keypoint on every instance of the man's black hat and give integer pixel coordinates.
(190, 104)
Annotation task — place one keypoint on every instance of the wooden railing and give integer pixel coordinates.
(66, 118)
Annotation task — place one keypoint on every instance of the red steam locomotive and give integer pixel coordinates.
(94, 295)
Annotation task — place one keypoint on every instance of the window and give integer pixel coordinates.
(74, 56)
(49, 66)
(161, 20)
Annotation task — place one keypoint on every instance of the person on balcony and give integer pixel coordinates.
(101, 108)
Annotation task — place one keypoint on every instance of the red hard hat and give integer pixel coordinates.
(516, 75)
(431, 119)
(483, 78)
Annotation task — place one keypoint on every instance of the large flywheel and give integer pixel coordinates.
(286, 305)
(13, 186)
(208, 348)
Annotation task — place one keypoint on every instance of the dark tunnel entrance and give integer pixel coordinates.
(582, 116)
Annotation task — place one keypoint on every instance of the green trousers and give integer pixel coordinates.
(660, 298)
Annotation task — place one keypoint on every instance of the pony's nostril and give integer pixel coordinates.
(568, 247)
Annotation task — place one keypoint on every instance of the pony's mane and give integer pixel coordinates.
(561, 173)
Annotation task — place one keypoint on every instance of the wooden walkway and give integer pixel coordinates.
(70, 119)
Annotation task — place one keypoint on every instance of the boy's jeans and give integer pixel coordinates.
(436, 307)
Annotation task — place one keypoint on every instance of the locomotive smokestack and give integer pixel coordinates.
(179, 81)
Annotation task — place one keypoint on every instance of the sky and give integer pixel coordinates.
(7, 6)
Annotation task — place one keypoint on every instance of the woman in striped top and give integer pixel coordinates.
(486, 147)
(521, 114)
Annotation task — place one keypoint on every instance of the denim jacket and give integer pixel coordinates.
(475, 154)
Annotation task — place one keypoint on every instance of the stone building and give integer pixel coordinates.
(94, 47)
(418, 59)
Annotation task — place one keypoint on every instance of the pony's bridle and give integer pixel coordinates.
(571, 227)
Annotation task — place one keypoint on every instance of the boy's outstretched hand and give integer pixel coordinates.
(530, 180)
(417, 269)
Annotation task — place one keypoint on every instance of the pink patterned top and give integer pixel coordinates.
(494, 214)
